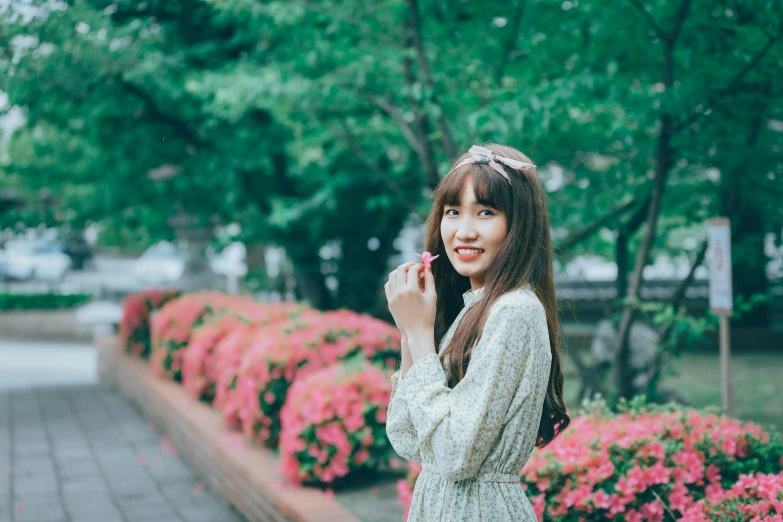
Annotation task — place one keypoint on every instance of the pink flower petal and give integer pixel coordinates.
(427, 258)
(168, 447)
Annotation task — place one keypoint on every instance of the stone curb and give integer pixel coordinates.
(44, 325)
(247, 477)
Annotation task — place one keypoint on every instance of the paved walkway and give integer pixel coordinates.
(73, 452)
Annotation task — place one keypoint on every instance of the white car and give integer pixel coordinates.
(230, 261)
(41, 259)
(160, 263)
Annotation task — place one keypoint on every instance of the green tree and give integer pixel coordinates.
(323, 123)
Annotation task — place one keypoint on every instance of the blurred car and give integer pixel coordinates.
(38, 259)
(230, 261)
(160, 263)
(164, 262)
(77, 249)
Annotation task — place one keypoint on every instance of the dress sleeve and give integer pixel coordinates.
(461, 424)
(399, 428)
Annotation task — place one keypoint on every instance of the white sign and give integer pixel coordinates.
(720, 264)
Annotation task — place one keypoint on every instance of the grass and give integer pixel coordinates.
(757, 379)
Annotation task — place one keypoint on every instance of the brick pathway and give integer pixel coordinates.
(79, 453)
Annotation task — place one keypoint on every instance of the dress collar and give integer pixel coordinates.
(471, 296)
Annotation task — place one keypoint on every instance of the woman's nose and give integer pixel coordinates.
(466, 234)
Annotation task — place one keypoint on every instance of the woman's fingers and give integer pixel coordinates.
(398, 278)
(402, 275)
(413, 276)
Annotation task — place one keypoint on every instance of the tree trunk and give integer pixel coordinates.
(749, 274)
(622, 259)
(749, 261)
(310, 283)
(623, 374)
(361, 284)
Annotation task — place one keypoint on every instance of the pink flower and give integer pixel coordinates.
(361, 456)
(652, 511)
(427, 258)
(657, 474)
(616, 504)
(601, 500)
(626, 486)
(633, 516)
(538, 503)
(713, 473)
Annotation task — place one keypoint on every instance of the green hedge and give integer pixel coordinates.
(46, 301)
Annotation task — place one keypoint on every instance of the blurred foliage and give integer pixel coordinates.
(10, 302)
(332, 121)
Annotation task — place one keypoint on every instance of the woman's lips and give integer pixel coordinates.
(467, 257)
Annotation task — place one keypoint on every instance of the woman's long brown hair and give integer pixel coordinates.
(525, 257)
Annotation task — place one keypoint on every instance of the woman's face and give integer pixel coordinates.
(475, 226)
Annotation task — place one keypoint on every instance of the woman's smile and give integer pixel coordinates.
(468, 255)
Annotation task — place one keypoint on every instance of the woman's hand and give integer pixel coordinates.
(411, 297)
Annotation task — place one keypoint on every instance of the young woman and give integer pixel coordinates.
(471, 411)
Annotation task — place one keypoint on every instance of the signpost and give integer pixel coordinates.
(719, 230)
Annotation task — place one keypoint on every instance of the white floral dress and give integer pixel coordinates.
(473, 440)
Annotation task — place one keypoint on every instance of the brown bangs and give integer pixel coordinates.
(490, 188)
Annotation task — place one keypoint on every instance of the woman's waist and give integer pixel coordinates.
(481, 476)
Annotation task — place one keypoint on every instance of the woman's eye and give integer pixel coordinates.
(453, 210)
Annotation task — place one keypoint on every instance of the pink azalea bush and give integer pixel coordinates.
(377, 340)
(647, 463)
(753, 498)
(201, 364)
(134, 324)
(334, 425)
(198, 355)
(263, 376)
(270, 366)
(228, 356)
(173, 325)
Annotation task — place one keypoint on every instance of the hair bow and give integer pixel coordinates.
(480, 154)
